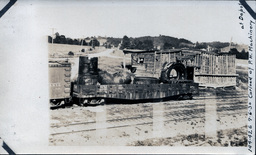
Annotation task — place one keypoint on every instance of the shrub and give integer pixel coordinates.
(70, 53)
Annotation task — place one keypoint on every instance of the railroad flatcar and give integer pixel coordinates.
(165, 81)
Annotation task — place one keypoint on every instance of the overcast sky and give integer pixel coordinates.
(196, 21)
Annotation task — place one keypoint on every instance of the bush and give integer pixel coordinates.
(70, 53)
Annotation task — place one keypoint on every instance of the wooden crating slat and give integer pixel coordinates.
(169, 92)
(139, 87)
(148, 87)
(101, 90)
(164, 87)
(89, 89)
(129, 86)
(156, 86)
(137, 94)
(120, 94)
(156, 93)
(148, 94)
(112, 89)
(129, 94)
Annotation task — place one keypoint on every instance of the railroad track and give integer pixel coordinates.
(125, 122)
(170, 108)
(133, 121)
(172, 112)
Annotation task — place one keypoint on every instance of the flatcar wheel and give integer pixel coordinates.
(53, 102)
(78, 101)
(68, 101)
(82, 102)
(186, 97)
(190, 96)
(180, 97)
(94, 102)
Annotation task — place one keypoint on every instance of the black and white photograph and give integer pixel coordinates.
(128, 77)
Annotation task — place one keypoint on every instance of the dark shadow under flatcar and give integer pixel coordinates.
(125, 101)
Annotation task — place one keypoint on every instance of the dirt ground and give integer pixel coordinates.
(172, 123)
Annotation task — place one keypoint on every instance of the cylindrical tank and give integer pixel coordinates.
(145, 80)
(88, 71)
(93, 68)
(84, 64)
(88, 66)
(88, 80)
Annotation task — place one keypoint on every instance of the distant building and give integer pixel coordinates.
(87, 39)
(211, 48)
(102, 40)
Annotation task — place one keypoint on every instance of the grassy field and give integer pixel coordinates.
(63, 49)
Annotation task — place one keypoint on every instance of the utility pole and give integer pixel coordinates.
(230, 44)
(82, 39)
(52, 39)
(93, 41)
(52, 33)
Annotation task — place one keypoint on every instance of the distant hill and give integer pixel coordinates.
(217, 44)
(160, 42)
(168, 42)
(165, 42)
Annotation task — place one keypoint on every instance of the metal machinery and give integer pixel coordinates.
(173, 82)
(164, 81)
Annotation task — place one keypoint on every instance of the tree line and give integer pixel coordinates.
(147, 43)
(166, 42)
(239, 55)
(136, 43)
(150, 43)
(61, 39)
